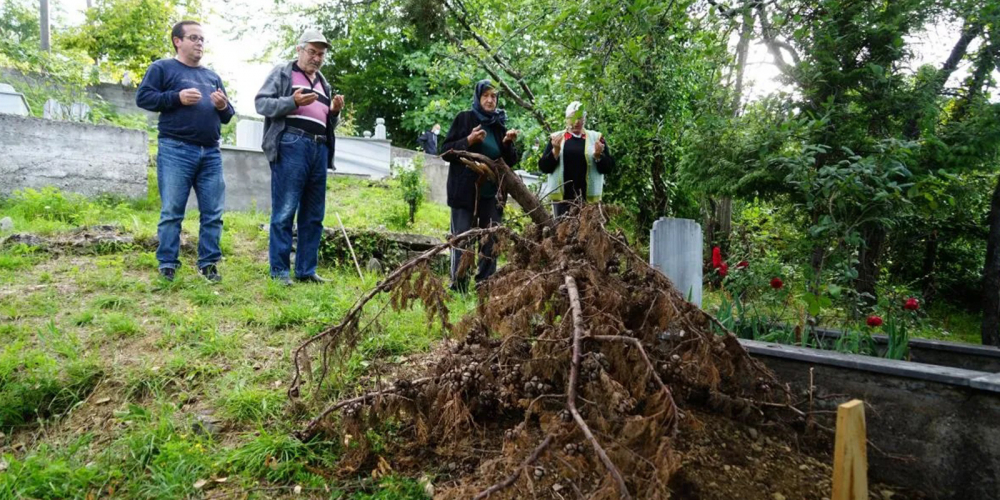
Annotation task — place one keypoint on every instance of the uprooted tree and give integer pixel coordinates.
(580, 358)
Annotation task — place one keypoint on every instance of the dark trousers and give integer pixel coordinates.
(560, 208)
(462, 220)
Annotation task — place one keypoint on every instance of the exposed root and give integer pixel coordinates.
(573, 307)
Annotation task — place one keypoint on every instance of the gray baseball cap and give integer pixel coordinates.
(313, 36)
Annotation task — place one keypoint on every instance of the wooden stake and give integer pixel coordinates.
(850, 457)
(349, 247)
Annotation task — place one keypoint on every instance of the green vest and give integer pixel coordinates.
(595, 180)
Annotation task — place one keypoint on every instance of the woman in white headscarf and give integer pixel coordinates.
(576, 160)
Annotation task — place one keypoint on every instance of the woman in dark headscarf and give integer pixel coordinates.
(474, 199)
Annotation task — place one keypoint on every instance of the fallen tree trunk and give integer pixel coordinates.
(509, 182)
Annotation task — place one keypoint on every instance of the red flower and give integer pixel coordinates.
(911, 304)
(776, 283)
(874, 321)
(716, 257)
(742, 265)
(723, 269)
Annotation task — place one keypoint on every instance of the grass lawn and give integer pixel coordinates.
(115, 383)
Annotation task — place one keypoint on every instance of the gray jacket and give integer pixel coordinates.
(274, 101)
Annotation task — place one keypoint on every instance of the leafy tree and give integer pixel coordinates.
(125, 35)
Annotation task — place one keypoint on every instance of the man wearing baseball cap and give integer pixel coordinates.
(300, 113)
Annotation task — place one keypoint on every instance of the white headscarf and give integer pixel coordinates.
(573, 108)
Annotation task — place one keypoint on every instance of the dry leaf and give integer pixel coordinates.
(102, 401)
(221, 479)
(298, 490)
(428, 486)
(199, 484)
(383, 466)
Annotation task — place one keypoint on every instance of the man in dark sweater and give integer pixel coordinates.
(192, 104)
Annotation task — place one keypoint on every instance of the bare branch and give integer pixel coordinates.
(574, 373)
(508, 181)
(391, 280)
(310, 429)
(528, 106)
(775, 46)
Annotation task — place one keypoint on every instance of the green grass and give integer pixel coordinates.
(120, 325)
(370, 205)
(37, 383)
(98, 336)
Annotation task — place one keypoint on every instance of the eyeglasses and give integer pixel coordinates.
(313, 53)
(196, 38)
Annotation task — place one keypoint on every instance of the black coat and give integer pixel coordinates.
(462, 180)
(429, 142)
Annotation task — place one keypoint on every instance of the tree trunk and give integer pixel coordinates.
(660, 197)
(817, 260)
(724, 220)
(930, 263)
(508, 181)
(990, 329)
(869, 258)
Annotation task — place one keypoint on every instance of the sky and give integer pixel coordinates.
(235, 59)
(231, 58)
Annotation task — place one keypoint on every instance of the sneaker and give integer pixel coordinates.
(284, 280)
(211, 273)
(312, 278)
(168, 273)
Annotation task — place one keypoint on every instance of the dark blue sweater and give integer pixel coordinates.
(160, 91)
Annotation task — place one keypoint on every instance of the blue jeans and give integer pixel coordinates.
(181, 166)
(298, 184)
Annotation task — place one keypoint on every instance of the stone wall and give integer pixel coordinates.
(74, 157)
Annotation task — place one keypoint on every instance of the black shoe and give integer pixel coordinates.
(284, 280)
(211, 273)
(168, 273)
(312, 278)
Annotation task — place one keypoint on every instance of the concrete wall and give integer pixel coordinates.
(934, 352)
(74, 157)
(120, 97)
(942, 421)
(361, 156)
(435, 172)
(248, 180)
